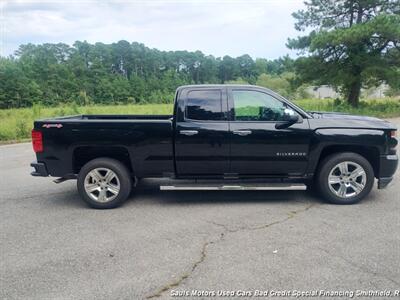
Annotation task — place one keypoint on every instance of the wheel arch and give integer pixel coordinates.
(83, 154)
(370, 153)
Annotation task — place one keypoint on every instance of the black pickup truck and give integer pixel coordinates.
(221, 137)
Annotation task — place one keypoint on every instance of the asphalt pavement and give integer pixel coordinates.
(162, 244)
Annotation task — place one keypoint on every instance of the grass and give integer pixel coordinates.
(381, 108)
(16, 124)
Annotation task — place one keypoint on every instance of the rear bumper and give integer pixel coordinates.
(388, 166)
(40, 169)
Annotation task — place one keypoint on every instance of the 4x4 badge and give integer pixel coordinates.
(52, 125)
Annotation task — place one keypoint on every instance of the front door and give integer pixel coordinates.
(202, 133)
(257, 147)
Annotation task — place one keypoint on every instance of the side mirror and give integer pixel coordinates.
(289, 117)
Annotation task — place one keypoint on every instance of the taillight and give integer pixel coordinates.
(37, 141)
(393, 141)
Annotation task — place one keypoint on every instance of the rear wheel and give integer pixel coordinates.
(104, 183)
(345, 178)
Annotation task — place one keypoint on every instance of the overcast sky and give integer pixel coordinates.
(256, 27)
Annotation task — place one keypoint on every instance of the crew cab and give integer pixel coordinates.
(220, 137)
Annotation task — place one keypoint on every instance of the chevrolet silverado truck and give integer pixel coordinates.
(220, 137)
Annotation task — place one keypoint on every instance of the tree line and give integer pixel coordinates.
(120, 72)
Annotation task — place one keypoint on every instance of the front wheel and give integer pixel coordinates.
(104, 183)
(345, 178)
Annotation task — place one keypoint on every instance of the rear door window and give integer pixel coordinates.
(204, 105)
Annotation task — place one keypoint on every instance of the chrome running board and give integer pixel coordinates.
(231, 187)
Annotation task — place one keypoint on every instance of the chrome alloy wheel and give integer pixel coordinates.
(347, 179)
(102, 185)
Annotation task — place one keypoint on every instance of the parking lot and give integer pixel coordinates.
(160, 244)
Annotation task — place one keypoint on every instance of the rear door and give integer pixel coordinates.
(202, 133)
(257, 147)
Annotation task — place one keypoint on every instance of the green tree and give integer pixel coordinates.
(351, 43)
(120, 72)
(277, 83)
(228, 69)
(16, 89)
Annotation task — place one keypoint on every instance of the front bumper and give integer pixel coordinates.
(40, 169)
(388, 166)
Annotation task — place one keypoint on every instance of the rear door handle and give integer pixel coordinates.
(242, 132)
(188, 132)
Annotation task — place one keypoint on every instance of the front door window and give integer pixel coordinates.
(257, 106)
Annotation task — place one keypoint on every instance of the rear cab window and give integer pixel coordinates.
(204, 105)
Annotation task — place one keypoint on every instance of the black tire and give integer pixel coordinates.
(333, 160)
(123, 178)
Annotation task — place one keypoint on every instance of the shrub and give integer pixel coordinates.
(22, 129)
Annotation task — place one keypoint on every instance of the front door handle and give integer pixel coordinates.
(188, 132)
(242, 132)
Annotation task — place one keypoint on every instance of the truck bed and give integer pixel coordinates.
(146, 139)
(110, 117)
